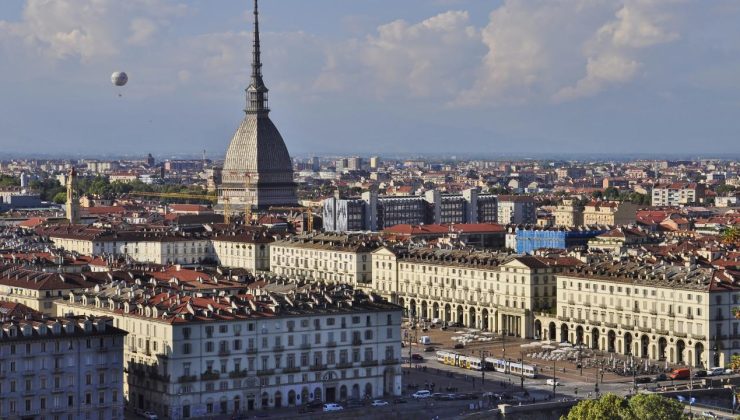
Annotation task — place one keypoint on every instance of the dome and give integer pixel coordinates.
(257, 149)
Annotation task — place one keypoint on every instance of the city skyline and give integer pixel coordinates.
(503, 79)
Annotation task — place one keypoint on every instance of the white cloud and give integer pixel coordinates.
(88, 29)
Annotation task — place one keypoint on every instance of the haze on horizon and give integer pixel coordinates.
(374, 76)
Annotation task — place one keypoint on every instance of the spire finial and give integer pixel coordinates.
(257, 91)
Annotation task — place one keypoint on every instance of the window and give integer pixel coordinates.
(186, 348)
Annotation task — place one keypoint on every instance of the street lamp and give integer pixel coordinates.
(521, 370)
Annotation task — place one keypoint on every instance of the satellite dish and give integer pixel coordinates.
(119, 78)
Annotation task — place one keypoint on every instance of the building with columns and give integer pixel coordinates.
(680, 314)
(495, 292)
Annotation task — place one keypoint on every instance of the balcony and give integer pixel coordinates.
(305, 346)
(653, 312)
(689, 316)
(316, 367)
(587, 304)
(265, 372)
(278, 348)
(210, 376)
(657, 331)
(594, 322)
(234, 374)
(294, 369)
(672, 314)
(571, 302)
(187, 378)
(680, 334)
(356, 342)
(391, 361)
(331, 344)
(626, 327)
(602, 306)
(252, 350)
(700, 337)
(344, 365)
(369, 363)
(223, 352)
(579, 320)
(610, 324)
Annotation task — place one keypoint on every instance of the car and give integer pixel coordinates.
(314, 404)
(379, 403)
(416, 357)
(660, 377)
(708, 415)
(715, 371)
(399, 401)
(332, 407)
(552, 382)
(149, 415)
(700, 373)
(429, 349)
(459, 346)
(422, 394)
(642, 380)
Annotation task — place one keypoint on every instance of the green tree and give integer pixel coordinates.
(60, 197)
(9, 181)
(608, 407)
(655, 407)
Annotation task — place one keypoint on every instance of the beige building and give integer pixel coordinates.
(250, 251)
(609, 213)
(326, 257)
(568, 215)
(683, 315)
(493, 292)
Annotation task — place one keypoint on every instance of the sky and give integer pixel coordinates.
(445, 77)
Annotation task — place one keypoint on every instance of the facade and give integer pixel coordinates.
(488, 291)
(677, 193)
(681, 314)
(609, 213)
(189, 356)
(66, 368)
(250, 251)
(513, 209)
(258, 170)
(372, 212)
(327, 258)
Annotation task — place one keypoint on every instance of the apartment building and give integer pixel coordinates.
(327, 257)
(491, 291)
(568, 214)
(680, 314)
(609, 213)
(189, 356)
(38, 290)
(515, 209)
(677, 193)
(250, 251)
(61, 368)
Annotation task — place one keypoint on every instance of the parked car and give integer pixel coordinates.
(422, 394)
(679, 373)
(660, 377)
(643, 380)
(459, 346)
(708, 415)
(552, 382)
(715, 371)
(332, 407)
(700, 373)
(149, 415)
(379, 403)
(416, 357)
(429, 349)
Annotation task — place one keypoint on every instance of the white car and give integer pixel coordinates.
(379, 403)
(149, 415)
(420, 395)
(552, 382)
(332, 407)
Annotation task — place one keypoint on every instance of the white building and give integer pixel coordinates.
(61, 368)
(189, 356)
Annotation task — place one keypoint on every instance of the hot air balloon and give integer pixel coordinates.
(119, 78)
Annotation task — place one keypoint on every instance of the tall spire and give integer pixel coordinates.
(257, 91)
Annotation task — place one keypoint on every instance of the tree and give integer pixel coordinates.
(60, 197)
(639, 407)
(731, 235)
(655, 407)
(608, 407)
(9, 181)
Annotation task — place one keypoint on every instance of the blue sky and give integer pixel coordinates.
(374, 76)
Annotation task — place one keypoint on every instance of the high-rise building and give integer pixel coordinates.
(258, 171)
(374, 162)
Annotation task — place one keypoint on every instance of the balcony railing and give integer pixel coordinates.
(305, 346)
(223, 352)
(356, 342)
(368, 363)
(278, 348)
(265, 372)
(251, 350)
(661, 332)
(344, 365)
(210, 376)
(331, 344)
(391, 361)
(315, 367)
(238, 374)
(626, 326)
(698, 336)
(294, 369)
(187, 378)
